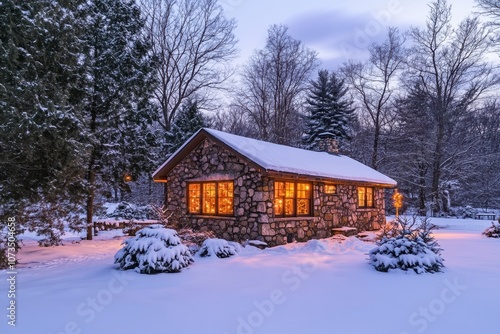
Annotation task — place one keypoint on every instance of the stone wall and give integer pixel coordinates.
(253, 202)
(330, 211)
(210, 162)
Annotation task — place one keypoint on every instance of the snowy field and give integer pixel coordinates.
(324, 286)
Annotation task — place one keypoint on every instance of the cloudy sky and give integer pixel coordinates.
(337, 29)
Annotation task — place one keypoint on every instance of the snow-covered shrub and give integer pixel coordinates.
(402, 253)
(407, 245)
(217, 247)
(154, 249)
(128, 211)
(464, 212)
(49, 220)
(493, 231)
(194, 239)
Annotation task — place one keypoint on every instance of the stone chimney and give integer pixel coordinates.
(328, 143)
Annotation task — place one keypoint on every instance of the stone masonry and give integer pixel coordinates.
(253, 202)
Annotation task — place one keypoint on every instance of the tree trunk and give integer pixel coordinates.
(436, 165)
(375, 147)
(421, 191)
(90, 198)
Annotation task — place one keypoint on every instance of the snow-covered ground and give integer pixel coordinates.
(323, 286)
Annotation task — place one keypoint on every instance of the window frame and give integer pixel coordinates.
(365, 205)
(295, 199)
(201, 198)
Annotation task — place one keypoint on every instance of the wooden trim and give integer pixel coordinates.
(291, 176)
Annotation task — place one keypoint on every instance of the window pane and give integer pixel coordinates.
(289, 207)
(279, 189)
(303, 190)
(289, 190)
(369, 197)
(225, 198)
(209, 198)
(361, 196)
(303, 206)
(330, 189)
(194, 198)
(278, 206)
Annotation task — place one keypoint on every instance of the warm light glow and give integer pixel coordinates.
(211, 198)
(330, 189)
(365, 197)
(127, 177)
(194, 197)
(397, 199)
(225, 198)
(292, 198)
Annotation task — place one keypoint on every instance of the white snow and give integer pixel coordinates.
(322, 286)
(287, 159)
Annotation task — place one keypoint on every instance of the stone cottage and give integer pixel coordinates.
(242, 188)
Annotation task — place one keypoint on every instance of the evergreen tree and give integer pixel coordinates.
(116, 110)
(40, 124)
(186, 123)
(330, 112)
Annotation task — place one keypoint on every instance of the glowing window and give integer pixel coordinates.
(194, 195)
(292, 199)
(330, 189)
(365, 197)
(212, 198)
(209, 198)
(303, 199)
(225, 197)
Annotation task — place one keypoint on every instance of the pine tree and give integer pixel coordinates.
(117, 112)
(188, 121)
(39, 94)
(330, 112)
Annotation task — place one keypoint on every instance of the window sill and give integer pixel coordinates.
(367, 209)
(284, 219)
(211, 217)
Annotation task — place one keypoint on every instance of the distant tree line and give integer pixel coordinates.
(95, 94)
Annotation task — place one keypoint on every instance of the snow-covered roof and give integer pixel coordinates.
(286, 159)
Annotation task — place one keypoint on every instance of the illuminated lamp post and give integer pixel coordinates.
(397, 200)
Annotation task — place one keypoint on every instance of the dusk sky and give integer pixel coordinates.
(337, 29)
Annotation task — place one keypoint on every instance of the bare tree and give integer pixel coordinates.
(193, 43)
(448, 64)
(272, 84)
(375, 82)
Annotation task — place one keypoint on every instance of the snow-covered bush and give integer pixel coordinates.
(154, 249)
(493, 231)
(194, 239)
(217, 247)
(128, 211)
(407, 245)
(405, 254)
(49, 220)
